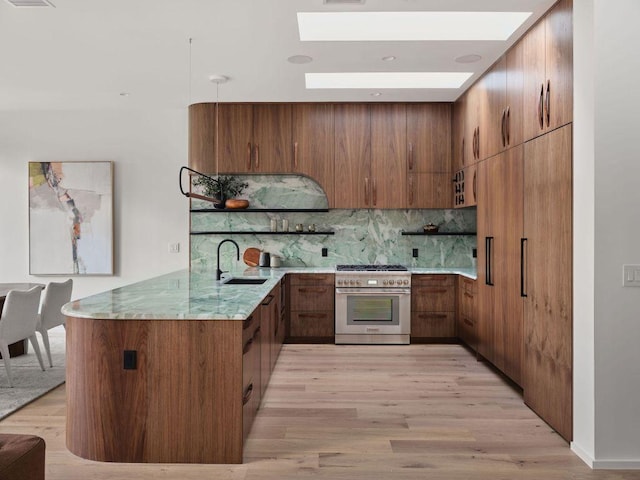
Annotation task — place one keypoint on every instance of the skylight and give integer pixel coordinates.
(379, 80)
(408, 26)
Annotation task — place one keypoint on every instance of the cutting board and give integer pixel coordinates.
(251, 256)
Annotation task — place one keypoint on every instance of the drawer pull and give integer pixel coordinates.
(268, 300)
(313, 290)
(468, 295)
(432, 315)
(247, 323)
(247, 346)
(312, 315)
(468, 322)
(246, 396)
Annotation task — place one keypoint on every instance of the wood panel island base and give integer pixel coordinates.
(182, 403)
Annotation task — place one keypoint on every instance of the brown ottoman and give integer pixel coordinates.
(21, 457)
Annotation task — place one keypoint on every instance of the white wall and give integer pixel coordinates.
(607, 332)
(147, 149)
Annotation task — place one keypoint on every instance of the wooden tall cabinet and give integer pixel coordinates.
(500, 224)
(548, 325)
(313, 144)
(548, 76)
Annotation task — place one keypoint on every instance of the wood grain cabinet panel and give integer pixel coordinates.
(314, 143)
(429, 137)
(548, 321)
(429, 190)
(352, 178)
(466, 324)
(311, 307)
(433, 307)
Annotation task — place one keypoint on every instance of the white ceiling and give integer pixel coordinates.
(83, 53)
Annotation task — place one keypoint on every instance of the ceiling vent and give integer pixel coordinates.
(30, 3)
(343, 2)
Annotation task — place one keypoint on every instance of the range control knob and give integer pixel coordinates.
(338, 282)
(406, 282)
(385, 282)
(358, 282)
(352, 282)
(392, 281)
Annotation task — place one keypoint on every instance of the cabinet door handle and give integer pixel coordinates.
(410, 189)
(247, 323)
(462, 154)
(488, 280)
(502, 127)
(246, 396)
(432, 315)
(523, 242)
(508, 126)
(410, 156)
(541, 107)
(268, 300)
(437, 290)
(468, 295)
(478, 145)
(295, 155)
(475, 185)
(547, 103)
(249, 156)
(366, 191)
(375, 193)
(257, 157)
(467, 321)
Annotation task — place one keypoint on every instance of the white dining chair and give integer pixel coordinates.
(18, 321)
(55, 296)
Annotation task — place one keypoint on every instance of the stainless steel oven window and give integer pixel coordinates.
(378, 310)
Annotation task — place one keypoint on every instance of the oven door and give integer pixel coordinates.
(373, 311)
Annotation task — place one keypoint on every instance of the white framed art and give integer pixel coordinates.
(71, 218)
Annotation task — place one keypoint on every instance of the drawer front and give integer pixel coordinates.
(433, 299)
(313, 297)
(313, 279)
(467, 331)
(249, 408)
(312, 324)
(433, 324)
(467, 304)
(433, 280)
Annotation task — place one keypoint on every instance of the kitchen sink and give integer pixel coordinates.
(244, 281)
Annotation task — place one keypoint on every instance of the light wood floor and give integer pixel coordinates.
(360, 412)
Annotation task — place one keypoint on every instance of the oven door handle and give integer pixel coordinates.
(373, 291)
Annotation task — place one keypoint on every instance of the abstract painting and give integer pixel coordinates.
(71, 218)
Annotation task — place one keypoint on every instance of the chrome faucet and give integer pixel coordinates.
(218, 271)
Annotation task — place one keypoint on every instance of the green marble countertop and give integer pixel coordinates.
(185, 295)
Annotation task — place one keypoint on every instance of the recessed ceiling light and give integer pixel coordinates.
(416, 26)
(376, 94)
(469, 58)
(375, 80)
(298, 59)
(124, 94)
(389, 58)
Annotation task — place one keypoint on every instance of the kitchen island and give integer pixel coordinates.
(169, 370)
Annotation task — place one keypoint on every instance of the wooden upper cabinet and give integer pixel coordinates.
(240, 138)
(548, 73)
(493, 109)
(272, 138)
(235, 136)
(314, 144)
(457, 134)
(514, 117)
(352, 155)
(429, 190)
(472, 144)
(429, 137)
(388, 156)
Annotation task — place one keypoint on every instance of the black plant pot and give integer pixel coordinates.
(222, 202)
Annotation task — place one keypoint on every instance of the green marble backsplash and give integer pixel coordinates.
(360, 236)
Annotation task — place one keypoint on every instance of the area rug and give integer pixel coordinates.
(29, 381)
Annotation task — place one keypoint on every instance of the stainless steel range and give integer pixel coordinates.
(373, 304)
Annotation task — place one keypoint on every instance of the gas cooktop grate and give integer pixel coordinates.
(371, 268)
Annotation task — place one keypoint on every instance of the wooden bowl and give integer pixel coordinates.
(430, 228)
(236, 203)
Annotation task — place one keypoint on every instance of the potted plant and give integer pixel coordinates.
(223, 188)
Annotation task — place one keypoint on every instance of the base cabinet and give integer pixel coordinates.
(432, 307)
(466, 318)
(311, 308)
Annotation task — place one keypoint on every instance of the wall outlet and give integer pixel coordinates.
(415, 253)
(130, 360)
(174, 247)
(631, 275)
(325, 251)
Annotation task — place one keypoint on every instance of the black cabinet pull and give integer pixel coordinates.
(247, 394)
(488, 275)
(268, 300)
(523, 241)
